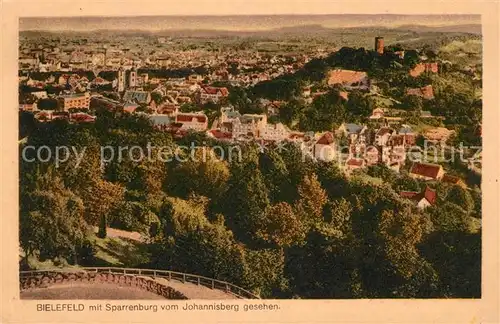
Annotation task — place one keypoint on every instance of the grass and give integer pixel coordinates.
(120, 252)
(110, 252)
(369, 179)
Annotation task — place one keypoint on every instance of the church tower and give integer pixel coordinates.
(132, 82)
(121, 79)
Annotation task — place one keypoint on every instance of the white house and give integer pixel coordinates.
(324, 148)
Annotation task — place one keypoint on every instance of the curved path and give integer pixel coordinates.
(124, 283)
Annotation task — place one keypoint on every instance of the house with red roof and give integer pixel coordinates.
(426, 92)
(422, 199)
(220, 135)
(424, 67)
(354, 164)
(194, 121)
(324, 148)
(426, 171)
(213, 94)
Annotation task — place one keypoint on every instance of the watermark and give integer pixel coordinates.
(371, 154)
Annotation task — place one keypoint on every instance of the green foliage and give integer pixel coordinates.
(460, 197)
(51, 219)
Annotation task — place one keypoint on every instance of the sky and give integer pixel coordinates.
(238, 23)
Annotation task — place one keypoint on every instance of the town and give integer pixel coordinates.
(383, 139)
(360, 157)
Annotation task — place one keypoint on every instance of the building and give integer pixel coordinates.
(383, 135)
(372, 155)
(121, 80)
(324, 148)
(354, 164)
(132, 82)
(75, 100)
(140, 97)
(354, 132)
(349, 79)
(426, 171)
(422, 199)
(424, 67)
(274, 132)
(379, 45)
(377, 113)
(213, 94)
(249, 126)
(193, 121)
(424, 92)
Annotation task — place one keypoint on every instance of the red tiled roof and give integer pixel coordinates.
(424, 92)
(355, 162)
(408, 194)
(425, 169)
(214, 90)
(402, 139)
(428, 194)
(220, 134)
(345, 76)
(424, 67)
(190, 118)
(326, 139)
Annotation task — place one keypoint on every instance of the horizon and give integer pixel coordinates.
(244, 23)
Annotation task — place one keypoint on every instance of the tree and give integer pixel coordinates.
(48, 104)
(411, 58)
(414, 103)
(51, 219)
(312, 198)
(359, 105)
(203, 174)
(102, 233)
(264, 272)
(449, 217)
(101, 198)
(338, 214)
(456, 256)
(281, 227)
(291, 112)
(460, 197)
(246, 201)
(333, 277)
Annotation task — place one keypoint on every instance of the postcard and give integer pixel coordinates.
(250, 162)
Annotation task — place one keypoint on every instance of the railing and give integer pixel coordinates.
(153, 273)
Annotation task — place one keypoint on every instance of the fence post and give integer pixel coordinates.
(198, 281)
(227, 287)
(183, 277)
(213, 284)
(140, 271)
(154, 273)
(169, 275)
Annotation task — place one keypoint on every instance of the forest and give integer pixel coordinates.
(272, 222)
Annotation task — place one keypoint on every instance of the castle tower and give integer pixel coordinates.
(379, 45)
(132, 82)
(121, 79)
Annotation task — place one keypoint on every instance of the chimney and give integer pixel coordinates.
(379, 45)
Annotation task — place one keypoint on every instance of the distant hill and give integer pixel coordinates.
(295, 31)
